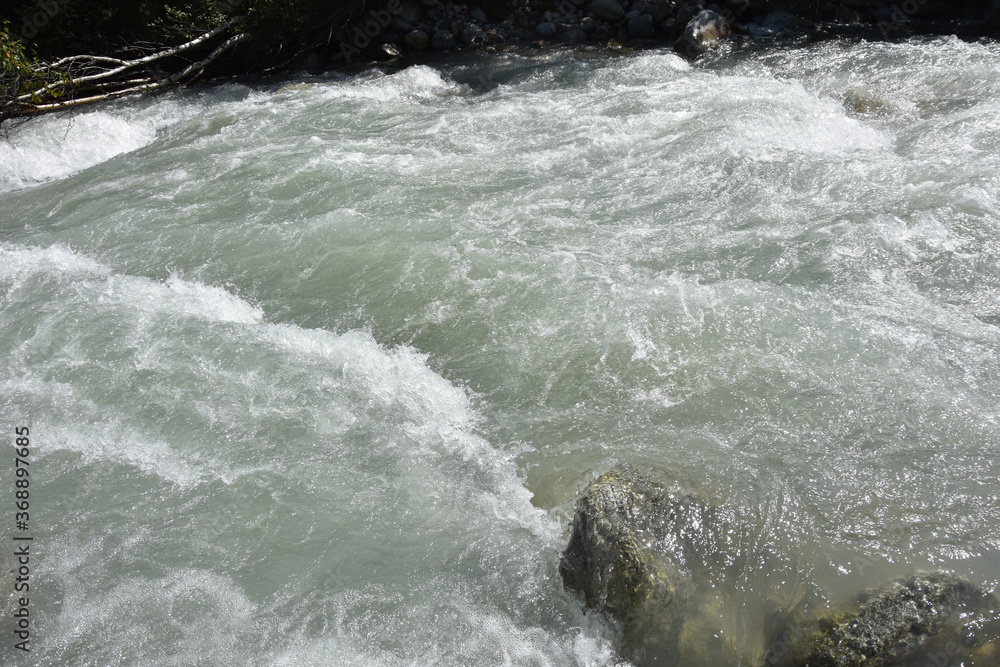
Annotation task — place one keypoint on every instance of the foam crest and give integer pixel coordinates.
(19, 262)
(418, 83)
(201, 616)
(57, 146)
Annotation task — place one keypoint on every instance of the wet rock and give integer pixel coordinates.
(902, 624)
(411, 12)
(661, 11)
(779, 23)
(848, 15)
(642, 27)
(478, 15)
(417, 39)
(473, 34)
(443, 40)
(674, 567)
(607, 10)
(685, 13)
(387, 50)
(574, 36)
(545, 30)
(702, 32)
(692, 583)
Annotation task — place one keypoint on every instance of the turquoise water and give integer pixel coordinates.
(314, 371)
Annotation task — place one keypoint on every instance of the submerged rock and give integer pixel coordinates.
(902, 624)
(443, 40)
(702, 32)
(690, 582)
(417, 39)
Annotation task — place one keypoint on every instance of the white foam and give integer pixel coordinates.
(202, 615)
(19, 262)
(416, 84)
(59, 145)
(774, 118)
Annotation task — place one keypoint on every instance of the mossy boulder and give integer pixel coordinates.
(690, 582)
(934, 619)
(693, 582)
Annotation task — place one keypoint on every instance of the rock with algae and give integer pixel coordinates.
(694, 584)
(690, 582)
(935, 619)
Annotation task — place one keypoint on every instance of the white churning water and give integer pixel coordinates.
(315, 372)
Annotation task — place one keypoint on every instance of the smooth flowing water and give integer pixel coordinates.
(314, 372)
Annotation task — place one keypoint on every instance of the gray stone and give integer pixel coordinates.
(574, 36)
(702, 33)
(632, 15)
(607, 10)
(661, 11)
(900, 625)
(847, 15)
(692, 582)
(545, 30)
(642, 27)
(473, 35)
(416, 39)
(478, 14)
(388, 50)
(685, 13)
(411, 12)
(443, 40)
(780, 23)
(673, 567)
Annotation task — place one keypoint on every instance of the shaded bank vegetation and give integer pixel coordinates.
(60, 53)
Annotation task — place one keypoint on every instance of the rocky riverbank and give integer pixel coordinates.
(409, 27)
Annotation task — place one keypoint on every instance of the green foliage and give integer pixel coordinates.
(18, 75)
(14, 59)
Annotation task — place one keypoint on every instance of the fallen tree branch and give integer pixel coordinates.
(126, 65)
(145, 87)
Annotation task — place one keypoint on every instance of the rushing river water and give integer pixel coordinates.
(314, 372)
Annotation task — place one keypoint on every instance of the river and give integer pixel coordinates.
(315, 370)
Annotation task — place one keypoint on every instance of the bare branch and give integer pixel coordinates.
(145, 87)
(71, 59)
(128, 64)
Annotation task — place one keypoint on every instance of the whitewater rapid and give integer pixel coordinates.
(315, 370)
